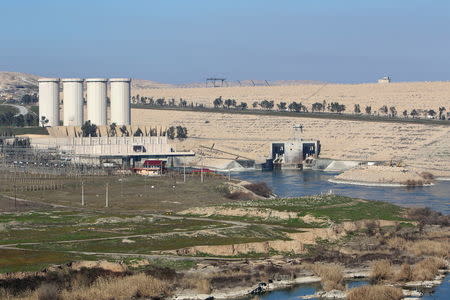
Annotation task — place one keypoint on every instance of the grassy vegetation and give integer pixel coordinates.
(8, 108)
(24, 130)
(328, 207)
(35, 109)
(12, 260)
(42, 227)
(134, 193)
(146, 245)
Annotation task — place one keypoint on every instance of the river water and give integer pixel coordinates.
(293, 183)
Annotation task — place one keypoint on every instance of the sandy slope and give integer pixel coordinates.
(407, 95)
(420, 146)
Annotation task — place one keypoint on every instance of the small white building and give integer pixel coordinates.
(385, 79)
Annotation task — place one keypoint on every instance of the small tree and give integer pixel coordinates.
(414, 113)
(384, 109)
(31, 120)
(218, 102)
(124, 131)
(171, 132)
(161, 102)
(182, 132)
(44, 121)
(441, 113)
(317, 107)
(357, 109)
(89, 129)
(405, 113)
(113, 129)
(393, 111)
(19, 121)
(255, 104)
(243, 105)
(282, 106)
(138, 132)
(368, 110)
(294, 106)
(431, 113)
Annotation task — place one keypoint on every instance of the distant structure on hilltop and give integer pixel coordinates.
(385, 79)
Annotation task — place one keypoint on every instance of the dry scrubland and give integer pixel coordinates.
(423, 147)
(405, 95)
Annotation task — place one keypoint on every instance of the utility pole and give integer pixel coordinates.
(229, 174)
(107, 195)
(15, 197)
(201, 172)
(82, 193)
(184, 172)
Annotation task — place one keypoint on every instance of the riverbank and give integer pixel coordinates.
(389, 176)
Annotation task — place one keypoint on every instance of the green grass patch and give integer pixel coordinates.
(332, 207)
(12, 260)
(8, 108)
(40, 227)
(146, 245)
(24, 130)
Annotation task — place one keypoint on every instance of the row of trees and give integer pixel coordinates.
(392, 112)
(90, 129)
(283, 106)
(8, 118)
(163, 102)
(334, 107)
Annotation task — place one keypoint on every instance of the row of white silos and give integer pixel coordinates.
(96, 93)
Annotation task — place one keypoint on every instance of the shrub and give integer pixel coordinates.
(428, 268)
(239, 195)
(404, 274)
(48, 292)
(198, 283)
(331, 275)
(427, 216)
(375, 292)
(429, 247)
(259, 188)
(139, 285)
(381, 270)
(427, 176)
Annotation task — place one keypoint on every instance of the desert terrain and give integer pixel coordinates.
(421, 147)
(402, 95)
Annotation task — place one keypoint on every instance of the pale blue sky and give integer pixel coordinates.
(177, 41)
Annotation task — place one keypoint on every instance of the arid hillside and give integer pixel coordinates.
(420, 146)
(14, 84)
(404, 96)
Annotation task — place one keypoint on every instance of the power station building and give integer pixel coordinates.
(73, 101)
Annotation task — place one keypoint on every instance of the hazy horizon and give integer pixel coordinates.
(180, 42)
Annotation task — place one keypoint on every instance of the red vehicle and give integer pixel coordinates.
(157, 165)
(203, 170)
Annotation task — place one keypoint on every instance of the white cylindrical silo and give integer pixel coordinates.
(120, 101)
(73, 101)
(49, 102)
(96, 100)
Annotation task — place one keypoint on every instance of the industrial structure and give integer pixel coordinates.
(96, 100)
(293, 154)
(73, 101)
(49, 106)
